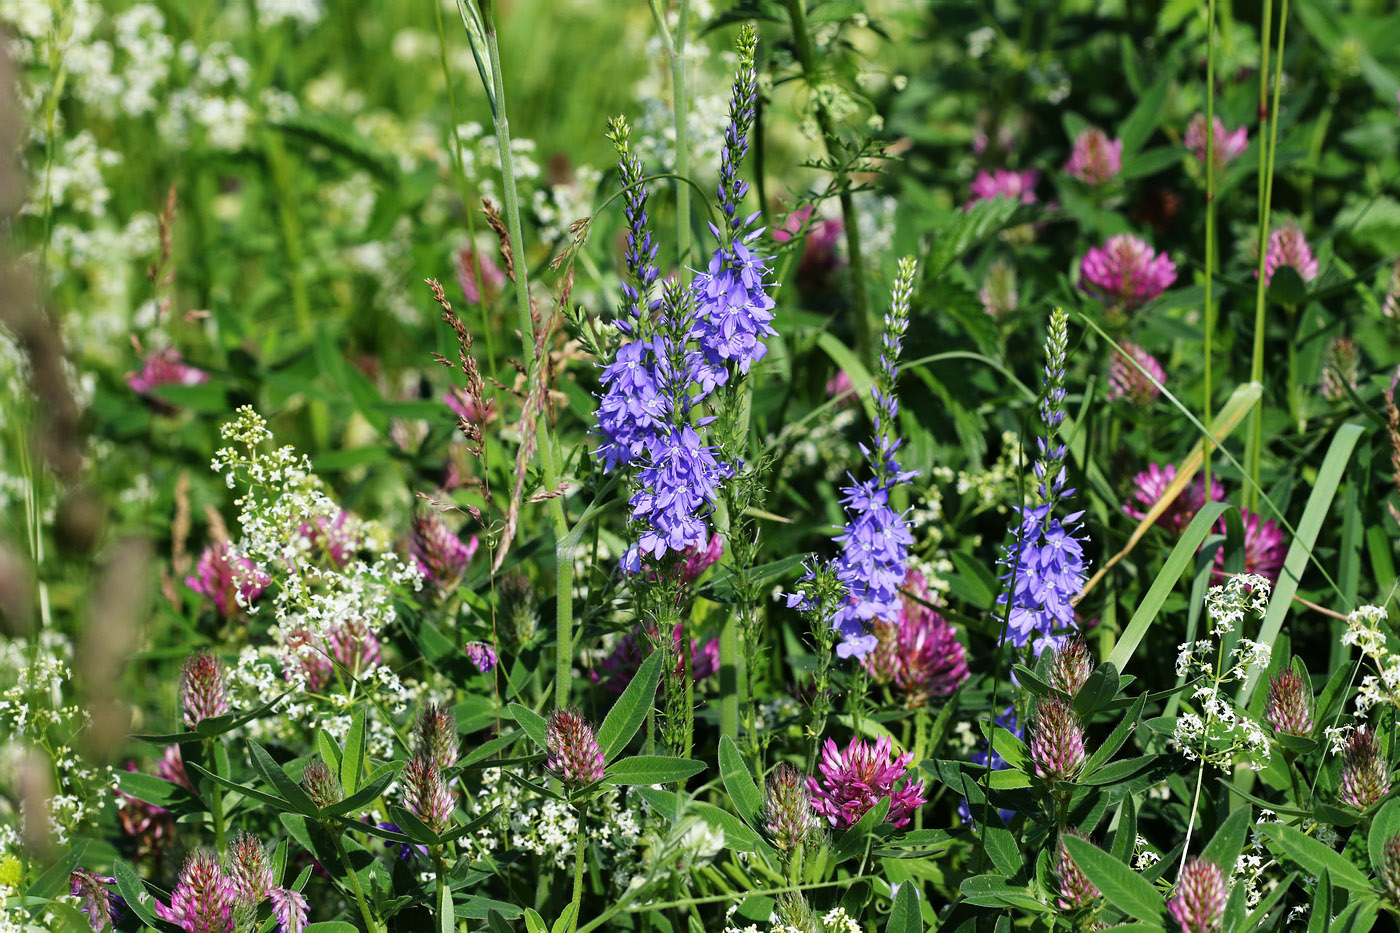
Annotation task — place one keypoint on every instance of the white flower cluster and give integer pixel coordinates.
(549, 828)
(1216, 731)
(1365, 631)
(36, 720)
(1254, 861)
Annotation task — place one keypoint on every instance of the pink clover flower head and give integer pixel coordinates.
(1263, 547)
(697, 559)
(1095, 159)
(1228, 146)
(441, 556)
(1129, 383)
(163, 368)
(1288, 247)
(618, 669)
(1198, 904)
(855, 780)
(919, 653)
(1003, 182)
(231, 582)
(469, 262)
(1151, 484)
(203, 899)
(1125, 271)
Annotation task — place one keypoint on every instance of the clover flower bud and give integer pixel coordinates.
(203, 688)
(1290, 704)
(574, 756)
(1071, 666)
(1364, 779)
(1199, 902)
(1076, 890)
(321, 785)
(519, 609)
(787, 813)
(1389, 869)
(437, 735)
(249, 871)
(1127, 382)
(1096, 159)
(1057, 741)
(1288, 247)
(441, 556)
(1341, 369)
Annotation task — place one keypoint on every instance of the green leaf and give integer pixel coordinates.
(475, 907)
(534, 923)
(1384, 825)
(738, 781)
(1329, 476)
(1314, 857)
(330, 751)
(995, 891)
(155, 791)
(277, 803)
(652, 769)
(446, 917)
(272, 773)
(54, 880)
(965, 230)
(533, 724)
(331, 926)
(1138, 125)
(630, 710)
(1007, 744)
(1165, 583)
(1124, 888)
(904, 915)
(1226, 845)
(1321, 917)
(845, 359)
(353, 758)
(134, 892)
(853, 841)
(1099, 689)
(1116, 739)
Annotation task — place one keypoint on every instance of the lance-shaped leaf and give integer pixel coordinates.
(630, 710)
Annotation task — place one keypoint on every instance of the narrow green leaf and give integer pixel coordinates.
(272, 772)
(534, 923)
(652, 769)
(1385, 824)
(54, 880)
(1321, 917)
(330, 750)
(374, 786)
(446, 917)
(134, 892)
(845, 359)
(1162, 587)
(630, 710)
(353, 757)
(1226, 845)
(1116, 739)
(155, 791)
(1099, 689)
(276, 803)
(738, 781)
(1124, 888)
(1329, 476)
(331, 926)
(1007, 744)
(1314, 857)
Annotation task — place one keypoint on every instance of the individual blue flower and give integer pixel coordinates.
(634, 407)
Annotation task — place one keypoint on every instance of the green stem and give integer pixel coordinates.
(564, 571)
(216, 798)
(580, 846)
(1210, 225)
(371, 924)
(807, 58)
(1255, 440)
(679, 106)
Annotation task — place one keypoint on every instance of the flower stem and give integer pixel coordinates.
(580, 846)
(216, 798)
(564, 570)
(1210, 228)
(807, 58)
(371, 924)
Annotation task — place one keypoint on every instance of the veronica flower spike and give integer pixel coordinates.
(874, 559)
(1045, 562)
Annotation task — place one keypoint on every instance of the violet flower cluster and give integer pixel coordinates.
(875, 543)
(1045, 561)
(680, 347)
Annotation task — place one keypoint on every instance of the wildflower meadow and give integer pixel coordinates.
(699, 466)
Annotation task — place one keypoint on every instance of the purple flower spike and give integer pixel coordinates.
(202, 901)
(788, 816)
(229, 581)
(436, 735)
(441, 556)
(855, 780)
(1126, 382)
(1057, 741)
(1227, 147)
(574, 756)
(1288, 247)
(321, 784)
(289, 908)
(1199, 902)
(1003, 183)
(1126, 272)
(1364, 778)
(203, 688)
(1290, 705)
(1076, 890)
(249, 871)
(426, 794)
(1390, 869)
(1071, 666)
(1096, 159)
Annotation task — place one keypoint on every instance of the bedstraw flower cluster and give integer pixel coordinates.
(1214, 730)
